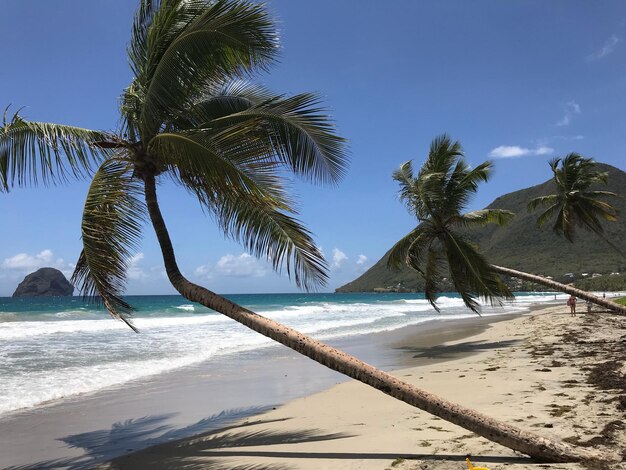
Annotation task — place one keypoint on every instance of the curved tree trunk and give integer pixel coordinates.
(581, 294)
(509, 436)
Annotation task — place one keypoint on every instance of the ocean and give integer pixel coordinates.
(56, 348)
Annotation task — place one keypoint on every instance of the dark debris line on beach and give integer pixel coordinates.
(602, 361)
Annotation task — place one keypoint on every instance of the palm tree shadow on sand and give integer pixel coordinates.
(214, 449)
(154, 444)
(455, 350)
(135, 434)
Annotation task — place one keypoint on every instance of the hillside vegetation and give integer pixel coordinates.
(523, 246)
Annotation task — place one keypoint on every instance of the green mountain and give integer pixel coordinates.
(523, 246)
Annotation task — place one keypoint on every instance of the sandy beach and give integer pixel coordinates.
(81, 431)
(545, 371)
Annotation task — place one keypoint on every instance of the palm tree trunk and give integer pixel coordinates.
(538, 447)
(581, 294)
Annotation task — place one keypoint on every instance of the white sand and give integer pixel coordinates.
(524, 374)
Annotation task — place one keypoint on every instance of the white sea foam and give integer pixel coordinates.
(186, 308)
(19, 330)
(46, 360)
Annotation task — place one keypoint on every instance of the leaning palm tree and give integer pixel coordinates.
(436, 248)
(188, 117)
(575, 204)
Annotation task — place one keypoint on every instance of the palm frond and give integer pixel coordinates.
(483, 217)
(463, 184)
(431, 197)
(296, 131)
(548, 214)
(139, 46)
(432, 275)
(198, 159)
(589, 212)
(156, 24)
(111, 227)
(409, 192)
(269, 232)
(442, 155)
(259, 217)
(131, 103)
(600, 194)
(223, 99)
(565, 223)
(601, 209)
(248, 201)
(203, 42)
(542, 201)
(410, 243)
(471, 273)
(51, 153)
(404, 176)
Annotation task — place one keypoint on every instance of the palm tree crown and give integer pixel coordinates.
(191, 115)
(436, 247)
(575, 204)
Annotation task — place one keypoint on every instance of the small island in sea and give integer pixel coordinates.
(45, 282)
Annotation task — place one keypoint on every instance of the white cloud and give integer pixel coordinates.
(338, 258)
(204, 271)
(571, 108)
(609, 46)
(243, 265)
(361, 264)
(515, 151)
(135, 271)
(543, 150)
(26, 262)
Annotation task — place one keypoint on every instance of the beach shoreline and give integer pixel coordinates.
(101, 426)
(534, 371)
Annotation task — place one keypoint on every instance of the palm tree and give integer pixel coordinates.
(436, 248)
(575, 204)
(188, 116)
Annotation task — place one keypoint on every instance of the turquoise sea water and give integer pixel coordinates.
(52, 348)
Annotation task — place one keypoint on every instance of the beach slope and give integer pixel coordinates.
(547, 372)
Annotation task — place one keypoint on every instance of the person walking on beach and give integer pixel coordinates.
(572, 304)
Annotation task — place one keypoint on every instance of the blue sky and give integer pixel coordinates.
(518, 82)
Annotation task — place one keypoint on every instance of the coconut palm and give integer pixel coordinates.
(188, 117)
(437, 248)
(575, 204)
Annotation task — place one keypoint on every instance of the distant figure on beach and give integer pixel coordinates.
(572, 304)
(604, 295)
